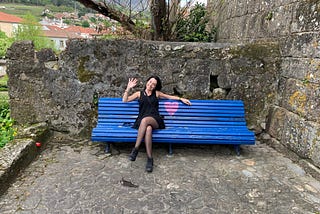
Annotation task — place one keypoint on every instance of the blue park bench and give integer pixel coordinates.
(204, 122)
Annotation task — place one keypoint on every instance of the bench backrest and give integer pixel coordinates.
(202, 113)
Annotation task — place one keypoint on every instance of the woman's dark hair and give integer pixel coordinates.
(159, 84)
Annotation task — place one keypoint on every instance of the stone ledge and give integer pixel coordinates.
(19, 153)
(306, 164)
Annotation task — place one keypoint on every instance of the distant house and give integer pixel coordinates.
(60, 35)
(9, 23)
(87, 33)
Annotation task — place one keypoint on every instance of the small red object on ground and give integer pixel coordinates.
(38, 144)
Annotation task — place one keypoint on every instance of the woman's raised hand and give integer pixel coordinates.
(132, 83)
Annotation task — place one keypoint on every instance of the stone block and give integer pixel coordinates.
(301, 136)
(276, 121)
(304, 69)
(315, 149)
(301, 45)
(46, 55)
(21, 51)
(306, 17)
(276, 20)
(302, 98)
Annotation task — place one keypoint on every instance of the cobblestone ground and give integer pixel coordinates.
(81, 178)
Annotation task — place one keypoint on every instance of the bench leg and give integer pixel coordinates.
(108, 148)
(170, 149)
(237, 148)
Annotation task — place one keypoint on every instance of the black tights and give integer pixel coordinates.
(145, 131)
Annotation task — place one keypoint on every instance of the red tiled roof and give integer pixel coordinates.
(61, 34)
(52, 27)
(4, 17)
(79, 29)
(69, 32)
(59, 15)
(57, 32)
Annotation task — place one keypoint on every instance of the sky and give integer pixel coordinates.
(183, 2)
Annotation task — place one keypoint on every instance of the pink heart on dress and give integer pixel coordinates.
(171, 107)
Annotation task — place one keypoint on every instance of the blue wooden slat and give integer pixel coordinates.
(183, 131)
(180, 110)
(214, 118)
(182, 141)
(177, 137)
(173, 123)
(177, 114)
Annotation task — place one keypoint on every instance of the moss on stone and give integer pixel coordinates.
(257, 51)
(83, 74)
(299, 100)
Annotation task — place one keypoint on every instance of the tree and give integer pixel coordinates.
(164, 15)
(85, 24)
(159, 21)
(193, 27)
(30, 29)
(107, 10)
(5, 43)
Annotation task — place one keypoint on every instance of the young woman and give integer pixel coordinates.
(149, 117)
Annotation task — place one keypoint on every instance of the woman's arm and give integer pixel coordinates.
(127, 98)
(162, 95)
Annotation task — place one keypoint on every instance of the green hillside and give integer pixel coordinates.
(20, 9)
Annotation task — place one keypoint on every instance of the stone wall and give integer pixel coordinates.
(63, 90)
(294, 119)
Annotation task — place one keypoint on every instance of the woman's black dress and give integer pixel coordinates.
(149, 107)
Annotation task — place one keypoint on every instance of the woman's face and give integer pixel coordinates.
(151, 84)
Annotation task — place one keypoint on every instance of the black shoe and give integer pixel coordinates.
(149, 166)
(133, 154)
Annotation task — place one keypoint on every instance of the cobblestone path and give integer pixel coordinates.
(80, 178)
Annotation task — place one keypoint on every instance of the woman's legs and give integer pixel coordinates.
(148, 141)
(145, 131)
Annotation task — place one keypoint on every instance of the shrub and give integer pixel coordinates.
(192, 28)
(5, 43)
(7, 132)
(85, 24)
(31, 30)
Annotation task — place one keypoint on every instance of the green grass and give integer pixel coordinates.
(3, 83)
(4, 97)
(20, 10)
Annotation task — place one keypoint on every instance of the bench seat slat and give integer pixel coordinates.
(181, 124)
(180, 114)
(234, 141)
(183, 131)
(158, 136)
(216, 118)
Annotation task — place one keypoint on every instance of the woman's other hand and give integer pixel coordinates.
(185, 101)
